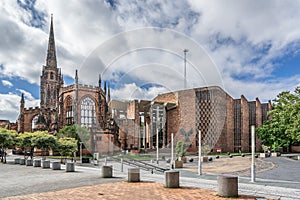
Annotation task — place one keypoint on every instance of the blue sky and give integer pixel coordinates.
(253, 46)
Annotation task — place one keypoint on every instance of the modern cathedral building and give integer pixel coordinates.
(224, 122)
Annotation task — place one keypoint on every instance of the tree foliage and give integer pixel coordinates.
(26, 142)
(66, 146)
(8, 139)
(81, 134)
(44, 141)
(282, 129)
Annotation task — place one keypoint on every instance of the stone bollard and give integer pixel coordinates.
(106, 171)
(228, 185)
(70, 167)
(36, 163)
(172, 179)
(29, 162)
(17, 160)
(134, 175)
(22, 161)
(46, 164)
(56, 166)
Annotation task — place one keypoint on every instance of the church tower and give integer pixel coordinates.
(51, 78)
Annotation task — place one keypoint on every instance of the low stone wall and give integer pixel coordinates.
(295, 149)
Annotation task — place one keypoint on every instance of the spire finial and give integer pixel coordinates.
(22, 98)
(99, 82)
(51, 52)
(76, 77)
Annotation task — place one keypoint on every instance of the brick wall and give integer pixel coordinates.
(245, 125)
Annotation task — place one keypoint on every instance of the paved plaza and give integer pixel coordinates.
(27, 182)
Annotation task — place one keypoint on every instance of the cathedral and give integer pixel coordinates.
(65, 105)
(142, 124)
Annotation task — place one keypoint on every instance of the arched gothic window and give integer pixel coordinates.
(88, 114)
(69, 111)
(34, 122)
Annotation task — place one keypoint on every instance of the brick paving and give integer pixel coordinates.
(123, 190)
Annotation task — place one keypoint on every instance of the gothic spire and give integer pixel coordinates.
(99, 81)
(22, 99)
(76, 77)
(51, 52)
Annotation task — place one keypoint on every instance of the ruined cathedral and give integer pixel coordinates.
(64, 105)
(142, 124)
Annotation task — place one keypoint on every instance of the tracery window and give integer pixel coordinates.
(88, 114)
(34, 122)
(69, 111)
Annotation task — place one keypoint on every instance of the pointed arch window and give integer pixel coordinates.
(69, 111)
(34, 122)
(88, 113)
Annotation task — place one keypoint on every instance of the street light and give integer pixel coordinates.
(80, 151)
(252, 153)
(199, 155)
(157, 124)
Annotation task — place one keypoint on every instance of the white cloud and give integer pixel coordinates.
(132, 91)
(7, 83)
(10, 104)
(234, 34)
(27, 95)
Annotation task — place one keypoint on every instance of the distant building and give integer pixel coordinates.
(8, 125)
(224, 122)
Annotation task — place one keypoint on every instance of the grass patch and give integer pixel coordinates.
(135, 157)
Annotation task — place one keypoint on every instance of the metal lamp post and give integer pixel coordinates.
(157, 132)
(185, 51)
(80, 151)
(199, 159)
(253, 152)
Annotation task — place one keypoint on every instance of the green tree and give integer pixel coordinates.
(26, 142)
(8, 139)
(44, 141)
(282, 129)
(67, 146)
(81, 134)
